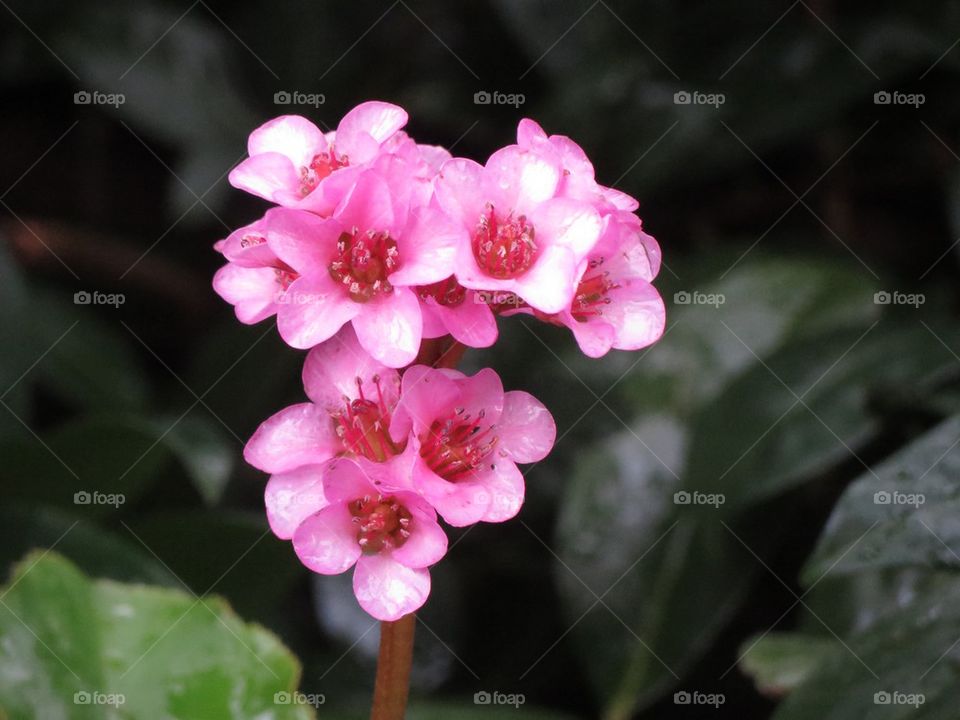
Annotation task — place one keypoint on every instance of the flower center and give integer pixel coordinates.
(592, 291)
(363, 424)
(363, 262)
(446, 292)
(382, 523)
(455, 446)
(322, 165)
(504, 248)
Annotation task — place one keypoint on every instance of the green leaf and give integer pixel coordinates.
(904, 512)
(72, 644)
(805, 409)
(89, 359)
(909, 656)
(97, 464)
(669, 575)
(779, 662)
(200, 548)
(763, 302)
(205, 451)
(477, 709)
(95, 551)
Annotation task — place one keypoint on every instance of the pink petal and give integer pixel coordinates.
(304, 241)
(346, 480)
(312, 310)
(387, 589)
(427, 542)
(637, 313)
(529, 133)
(428, 248)
(333, 368)
(292, 497)
(326, 542)
(458, 191)
(298, 435)
(370, 120)
(519, 179)
(247, 247)
(595, 336)
(390, 328)
(482, 394)
(550, 284)
(505, 485)
(252, 291)
(268, 176)
(526, 428)
(425, 396)
(572, 224)
(291, 135)
(460, 504)
(471, 323)
(368, 206)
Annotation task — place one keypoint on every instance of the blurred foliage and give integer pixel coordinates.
(797, 398)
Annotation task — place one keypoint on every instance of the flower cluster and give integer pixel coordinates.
(376, 244)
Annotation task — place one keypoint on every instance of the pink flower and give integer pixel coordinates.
(464, 436)
(523, 236)
(362, 265)
(352, 397)
(255, 279)
(291, 159)
(578, 179)
(615, 306)
(391, 537)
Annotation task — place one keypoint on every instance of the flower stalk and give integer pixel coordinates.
(393, 669)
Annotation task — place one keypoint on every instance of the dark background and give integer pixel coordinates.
(796, 199)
